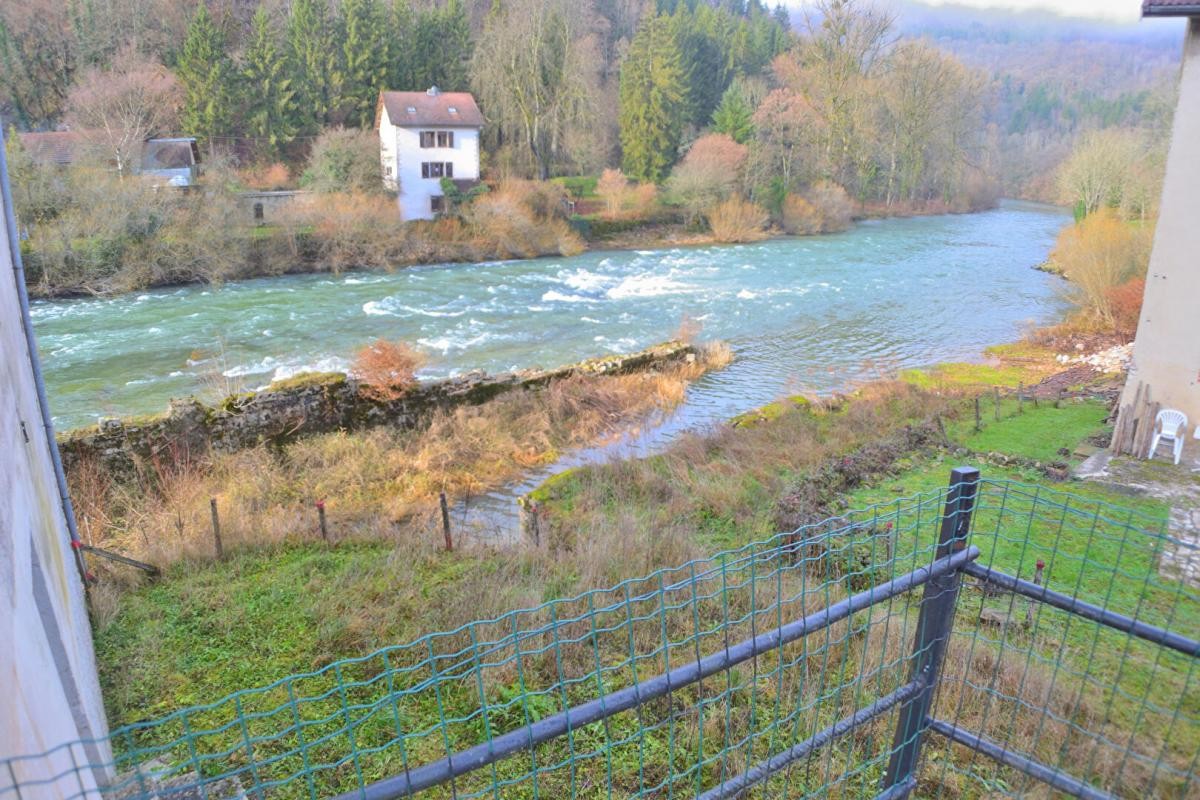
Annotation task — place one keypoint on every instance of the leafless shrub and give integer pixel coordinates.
(738, 220)
(386, 369)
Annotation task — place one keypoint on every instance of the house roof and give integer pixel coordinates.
(1171, 8)
(51, 147)
(180, 153)
(431, 107)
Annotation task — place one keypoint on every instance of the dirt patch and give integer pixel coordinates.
(818, 495)
(1065, 382)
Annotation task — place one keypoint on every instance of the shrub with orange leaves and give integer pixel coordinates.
(1099, 254)
(800, 217)
(1125, 301)
(738, 220)
(386, 369)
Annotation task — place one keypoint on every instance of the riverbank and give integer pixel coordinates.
(319, 241)
(299, 605)
(146, 488)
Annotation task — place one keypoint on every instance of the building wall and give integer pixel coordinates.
(1166, 354)
(400, 149)
(51, 693)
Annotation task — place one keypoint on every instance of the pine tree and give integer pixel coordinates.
(454, 53)
(314, 56)
(733, 116)
(401, 41)
(207, 76)
(652, 101)
(363, 58)
(442, 48)
(705, 62)
(269, 94)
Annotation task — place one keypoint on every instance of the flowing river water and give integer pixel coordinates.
(802, 314)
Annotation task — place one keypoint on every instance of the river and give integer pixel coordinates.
(802, 314)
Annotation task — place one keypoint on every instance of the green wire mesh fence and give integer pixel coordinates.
(814, 715)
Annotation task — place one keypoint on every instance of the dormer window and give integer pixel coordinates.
(452, 110)
(412, 109)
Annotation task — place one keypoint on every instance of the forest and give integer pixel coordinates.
(726, 116)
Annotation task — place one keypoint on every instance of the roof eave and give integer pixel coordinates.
(1172, 11)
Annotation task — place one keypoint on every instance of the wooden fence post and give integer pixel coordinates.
(445, 521)
(1021, 397)
(216, 523)
(321, 519)
(978, 419)
(996, 402)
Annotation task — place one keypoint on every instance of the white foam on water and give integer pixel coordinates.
(375, 308)
(429, 312)
(585, 281)
(553, 296)
(445, 344)
(647, 285)
(746, 294)
(589, 319)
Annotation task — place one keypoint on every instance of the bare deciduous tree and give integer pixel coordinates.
(118, 108)
(537, 71)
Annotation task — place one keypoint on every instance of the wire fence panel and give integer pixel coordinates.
(816, 715)
(1099, 705)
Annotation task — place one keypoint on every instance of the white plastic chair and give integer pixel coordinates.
(1169, 426)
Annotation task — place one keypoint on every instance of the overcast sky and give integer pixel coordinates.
(1106, 9)
(1123, 10)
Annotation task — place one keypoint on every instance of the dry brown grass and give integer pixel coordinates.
(374, 483)
(728, 479)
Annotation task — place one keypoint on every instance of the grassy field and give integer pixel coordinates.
(1054, 686)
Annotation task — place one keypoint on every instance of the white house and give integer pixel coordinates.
(424, 137)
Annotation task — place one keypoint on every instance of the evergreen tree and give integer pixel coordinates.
(442, 48)
(401, 42)
(652, 101)
(271, 109)
(364, 58)
(314, 57)
(207, 76)
(733, 116)
(705, 60)
(453, 55)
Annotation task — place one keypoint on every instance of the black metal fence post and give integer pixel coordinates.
(933, 629)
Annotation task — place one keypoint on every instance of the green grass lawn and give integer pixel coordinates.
(1096, 543)
(205, 631)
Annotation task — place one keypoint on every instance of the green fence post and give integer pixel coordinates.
(933, 630)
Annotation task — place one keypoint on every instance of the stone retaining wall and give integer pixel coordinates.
(307, 405)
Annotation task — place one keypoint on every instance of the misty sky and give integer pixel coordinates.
(1123, 10)
(1105, 9)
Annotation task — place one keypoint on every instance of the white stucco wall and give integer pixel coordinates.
(1166, 354)
(49, 690)
(400, 149)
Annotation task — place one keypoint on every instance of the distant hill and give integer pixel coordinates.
(1054, 77)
